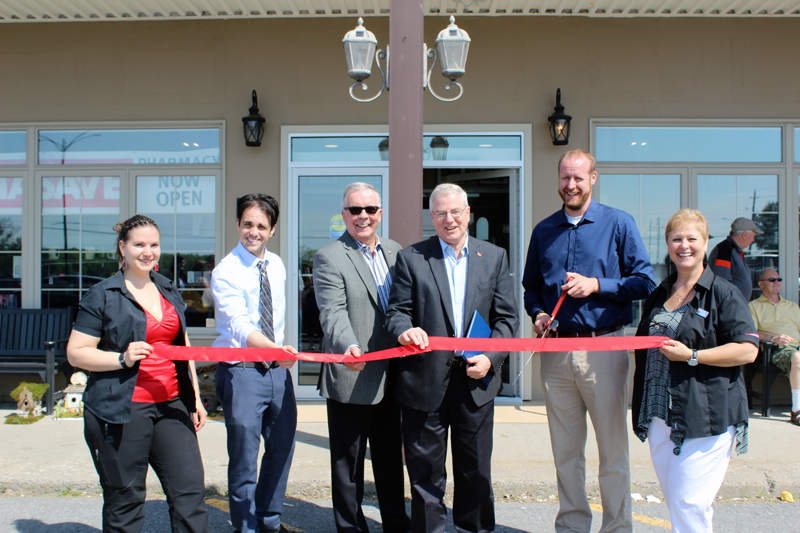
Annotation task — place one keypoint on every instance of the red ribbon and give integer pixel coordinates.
(587, 344)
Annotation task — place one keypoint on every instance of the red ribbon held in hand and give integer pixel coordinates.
(588, 344)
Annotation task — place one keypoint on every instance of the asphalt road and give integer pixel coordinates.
(81, 514)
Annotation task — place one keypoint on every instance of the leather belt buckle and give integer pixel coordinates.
(456, 361)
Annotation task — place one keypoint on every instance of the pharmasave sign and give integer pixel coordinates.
(86, 196)
(99, 195)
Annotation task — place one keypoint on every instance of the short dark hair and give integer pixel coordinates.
(124, 228)
(264, 202)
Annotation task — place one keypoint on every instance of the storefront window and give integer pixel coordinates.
(78, 238)
(12, 148)
(10, 242)
(651, 199)
(129, 147)
(184, 207)
(664, 144)
(723, 198)
(434, 148)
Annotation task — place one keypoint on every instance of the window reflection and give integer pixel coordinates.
(651, 199)
(689, 144)
(135, 146)
(78, 238)
(184, 207)
(10, 241)
(13, 149)
(723, 198)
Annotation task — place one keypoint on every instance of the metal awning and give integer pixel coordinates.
(127, 10)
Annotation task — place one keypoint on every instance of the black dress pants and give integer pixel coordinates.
(350, 426)
(158, 434)
(425, 439)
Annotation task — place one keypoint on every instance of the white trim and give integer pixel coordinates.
(523, 166)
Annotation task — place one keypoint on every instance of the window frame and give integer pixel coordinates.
(32, 172)
(788, 188)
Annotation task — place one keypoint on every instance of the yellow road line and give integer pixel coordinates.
(666, 524)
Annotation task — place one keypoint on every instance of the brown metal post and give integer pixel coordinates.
(406, 24)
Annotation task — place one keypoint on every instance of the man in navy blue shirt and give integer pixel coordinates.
(595, 254)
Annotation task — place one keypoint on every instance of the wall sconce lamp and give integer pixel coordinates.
(559, 123)
(452, 45)
(253, 125)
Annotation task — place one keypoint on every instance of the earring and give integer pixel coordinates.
(122, 266)
(156, 267)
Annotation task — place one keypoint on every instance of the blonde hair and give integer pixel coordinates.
(578, 153)
(685, 217)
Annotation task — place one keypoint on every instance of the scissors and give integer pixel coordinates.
(553, 323)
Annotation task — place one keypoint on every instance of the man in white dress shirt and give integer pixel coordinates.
(249, 288)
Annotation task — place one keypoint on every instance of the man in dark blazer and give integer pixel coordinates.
(438, 284)
(352, 281)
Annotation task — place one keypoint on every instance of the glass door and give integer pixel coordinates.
(494, 217)
(316, 221)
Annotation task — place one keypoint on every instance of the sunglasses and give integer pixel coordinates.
(356, 209)
(772, 280)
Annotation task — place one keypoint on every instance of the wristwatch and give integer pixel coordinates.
(122, 360)
(693, 359)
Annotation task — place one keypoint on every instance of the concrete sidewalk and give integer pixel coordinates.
(50, 457)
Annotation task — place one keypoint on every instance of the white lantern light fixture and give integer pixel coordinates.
(359, 48)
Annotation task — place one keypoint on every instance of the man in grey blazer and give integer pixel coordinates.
(438, 285)
(352, 281)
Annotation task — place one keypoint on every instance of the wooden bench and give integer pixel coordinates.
(34, 341)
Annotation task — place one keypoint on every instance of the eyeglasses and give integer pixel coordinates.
(356, 209)
(443, 214)
(772, 280)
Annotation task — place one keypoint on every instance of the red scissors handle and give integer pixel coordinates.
(560, 301)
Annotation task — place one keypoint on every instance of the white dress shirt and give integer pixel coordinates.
(457, 278)
(235, 285)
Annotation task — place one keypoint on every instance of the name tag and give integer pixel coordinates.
(702, 312)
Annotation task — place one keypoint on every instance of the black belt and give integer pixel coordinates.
(456, 361)
(255, 364)
(598, 333)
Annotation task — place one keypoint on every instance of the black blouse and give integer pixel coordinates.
(706, 399)
(111, 313)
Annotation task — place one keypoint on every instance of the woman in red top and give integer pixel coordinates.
(140, 409)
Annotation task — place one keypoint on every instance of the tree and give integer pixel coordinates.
(767, 220)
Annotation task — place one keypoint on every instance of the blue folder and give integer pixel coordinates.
(478, 329)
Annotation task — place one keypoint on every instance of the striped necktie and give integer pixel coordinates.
(265, 303)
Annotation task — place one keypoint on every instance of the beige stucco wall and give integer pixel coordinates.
(615, 68)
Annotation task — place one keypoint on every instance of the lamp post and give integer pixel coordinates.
(452, 46)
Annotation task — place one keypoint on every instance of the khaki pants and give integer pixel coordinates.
(595, 382)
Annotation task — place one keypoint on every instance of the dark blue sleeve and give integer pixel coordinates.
(532, 279)
(636, 279)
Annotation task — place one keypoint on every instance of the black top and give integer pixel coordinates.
(111, 313)
(727, 261)
(705, 399)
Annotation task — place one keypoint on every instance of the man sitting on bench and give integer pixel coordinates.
(778, 322)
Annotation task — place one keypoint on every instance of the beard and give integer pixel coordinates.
(575, 203)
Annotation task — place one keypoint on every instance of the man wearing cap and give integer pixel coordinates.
(727, 258)
(778, 322)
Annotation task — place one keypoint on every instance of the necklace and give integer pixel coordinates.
(681, 298)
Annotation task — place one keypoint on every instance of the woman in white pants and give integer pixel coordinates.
(689, 399)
